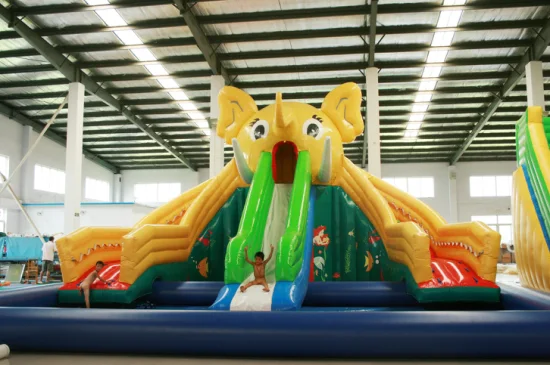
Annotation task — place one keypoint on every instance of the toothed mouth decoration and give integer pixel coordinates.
(116, 246)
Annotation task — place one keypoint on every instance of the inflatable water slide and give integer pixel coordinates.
(531, 199)
(291, 187)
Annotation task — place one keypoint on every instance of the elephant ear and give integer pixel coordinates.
(236, 107)
(343, 106)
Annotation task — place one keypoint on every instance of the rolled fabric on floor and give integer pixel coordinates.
(4, 351)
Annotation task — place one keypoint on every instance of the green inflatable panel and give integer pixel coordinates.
(291, 246)
(346, 245)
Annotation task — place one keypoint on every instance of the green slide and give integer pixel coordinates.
(253, 222)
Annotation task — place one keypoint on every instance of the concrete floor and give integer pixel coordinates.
(37, 359)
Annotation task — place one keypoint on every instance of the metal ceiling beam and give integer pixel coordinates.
(282, 14)
(394, 91)
(281, 35)
(534, 53)
(84, 29)
(186, 11)
(441, 100)
(38, 127)
(327, 81)
(73, 8)
(361, 31)
(335, 66)
(339, 11)
(270, 54)
(73, 73)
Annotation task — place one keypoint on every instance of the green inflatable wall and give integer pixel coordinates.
(346, 244)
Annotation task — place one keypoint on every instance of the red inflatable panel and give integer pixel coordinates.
(110, 272)
(448, 273)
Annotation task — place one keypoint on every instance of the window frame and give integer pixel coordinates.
(478, 186)
(59, 182)
(161, 186)
(400, 182)
(93, 181)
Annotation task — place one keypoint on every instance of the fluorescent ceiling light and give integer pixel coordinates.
(178, 95)
(203, 123)
(420, 108)
(416, 118)
(454, 2)
(442, 39)
(111, 17)
(423, 98)
(427, 85)
(432, 71)
(188, 105)
(206, 131)
(412, 133)
(128, 37)
(169, 84)
(143, 54)
(97, 2)
(449, 18)
(157, 70)
(195, 115)
(414, 125)
(437, 56)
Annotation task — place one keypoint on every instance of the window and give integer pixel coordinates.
(48, 179)
(419, 187)
(3, 215)
(5, 166)
(489, 186)
(97, 190)
(156, 192)
(500, 223)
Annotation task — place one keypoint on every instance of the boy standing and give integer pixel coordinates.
(48, 249)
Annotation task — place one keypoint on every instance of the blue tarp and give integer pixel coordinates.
(21, 248)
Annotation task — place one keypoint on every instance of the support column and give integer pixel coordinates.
(117, 188)
(453, 196)
(535, 85)
(73, 157)
(373, 122)
(27, 176)
(216, 143)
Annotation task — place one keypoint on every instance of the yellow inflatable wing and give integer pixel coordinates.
(162, 236)
(531, 200)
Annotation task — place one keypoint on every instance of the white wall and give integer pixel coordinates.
(47, 153)
(186, 177)
(49, 218)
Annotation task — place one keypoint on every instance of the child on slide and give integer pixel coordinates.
(84, 286)
(259, 269)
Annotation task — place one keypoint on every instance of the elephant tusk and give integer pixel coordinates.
(326, 163)
(242, 166)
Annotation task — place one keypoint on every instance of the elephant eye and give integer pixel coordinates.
(260, 129)
(313, 128)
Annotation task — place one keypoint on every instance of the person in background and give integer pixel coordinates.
(48, 249)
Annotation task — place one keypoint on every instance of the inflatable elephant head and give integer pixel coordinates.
(286, 128)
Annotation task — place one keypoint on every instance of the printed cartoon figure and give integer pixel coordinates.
(374, 237)
(205, 240)
(320, 238)
(202, 266)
